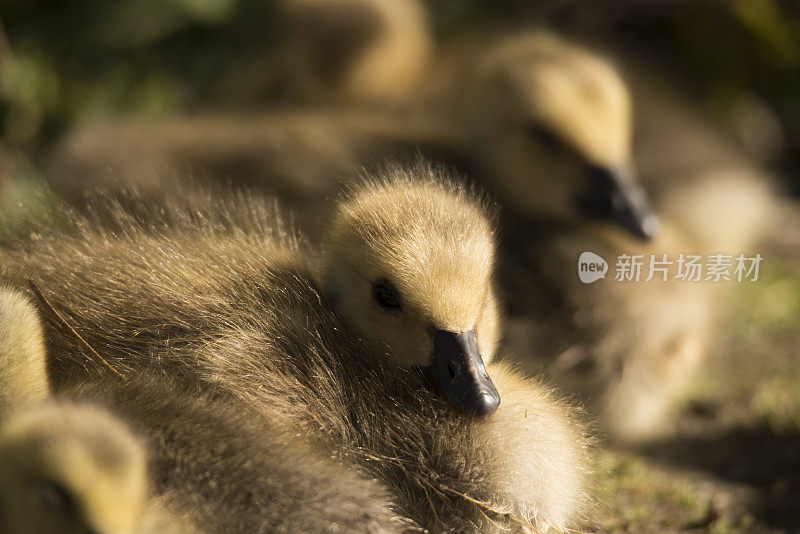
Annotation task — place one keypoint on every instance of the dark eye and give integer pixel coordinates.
(386, 296)
(545, 137)
(54, 497)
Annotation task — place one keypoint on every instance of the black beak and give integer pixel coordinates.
(614, 195)
(457, 366)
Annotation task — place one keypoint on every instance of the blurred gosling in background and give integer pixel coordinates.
(557, 145)
(351, 51)
(67, 468)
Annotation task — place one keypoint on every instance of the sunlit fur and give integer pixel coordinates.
(56, 450)
(226, 304)
(539, 81)
(219, 468)
(23, 378)
(356, 50)
(433, 243)
(69, 465)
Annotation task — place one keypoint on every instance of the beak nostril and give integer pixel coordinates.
(452, 369)
(458, 368)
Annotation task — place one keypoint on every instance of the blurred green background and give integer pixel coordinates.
(65, 62)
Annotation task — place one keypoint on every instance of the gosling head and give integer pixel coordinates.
(409, 267)
(68, 469)
(552, 126)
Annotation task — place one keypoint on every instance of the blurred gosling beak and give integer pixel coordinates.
(458, 368)
(614, 195)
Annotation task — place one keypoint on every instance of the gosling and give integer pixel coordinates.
(556, 133)
(550, 125)
(402, 303)
(368, 51)
(73, 464)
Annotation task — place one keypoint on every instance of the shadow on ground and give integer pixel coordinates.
(758, 457)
